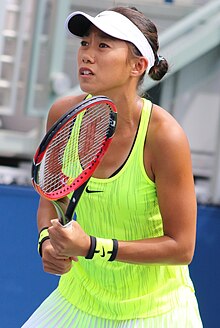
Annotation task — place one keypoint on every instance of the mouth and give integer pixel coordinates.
(85, 71)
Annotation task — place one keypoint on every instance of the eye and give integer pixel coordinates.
(84, 43)
(103, 45)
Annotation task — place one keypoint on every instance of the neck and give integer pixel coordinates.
(129, 109)
(127, 101)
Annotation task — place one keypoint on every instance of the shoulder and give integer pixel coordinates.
(164, 128)
(167, 139)
(61, 106)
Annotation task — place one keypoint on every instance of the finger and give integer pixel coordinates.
(55, 223)
(57, 271)
(59, 267)
(54, 229)
(74, 258)
(68, 225)
(54, 256)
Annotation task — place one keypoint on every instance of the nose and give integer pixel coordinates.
(88, 58)
(85, 61)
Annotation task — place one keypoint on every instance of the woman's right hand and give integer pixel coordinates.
(55, 264)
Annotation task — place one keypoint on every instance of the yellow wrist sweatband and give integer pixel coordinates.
(43, 235)
(100, 248)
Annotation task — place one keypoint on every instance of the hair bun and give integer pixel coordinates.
(159, 69)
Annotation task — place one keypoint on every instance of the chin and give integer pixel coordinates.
(92, 92)
(86, 89)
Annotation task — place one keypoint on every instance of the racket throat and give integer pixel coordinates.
(73, 203)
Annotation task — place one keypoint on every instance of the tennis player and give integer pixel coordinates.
(124, 262)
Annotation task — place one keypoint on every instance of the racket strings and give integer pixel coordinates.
(74, 148)
(92, 134)
(51, 165)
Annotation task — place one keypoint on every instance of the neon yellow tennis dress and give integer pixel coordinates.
(97, 294)
(124, 207)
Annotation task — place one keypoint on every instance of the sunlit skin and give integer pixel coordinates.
(115, 74)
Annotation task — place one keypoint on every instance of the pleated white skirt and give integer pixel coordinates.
(57, 312)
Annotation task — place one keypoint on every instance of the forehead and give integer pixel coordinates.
(98, 33)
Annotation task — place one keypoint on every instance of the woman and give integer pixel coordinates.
(146, 212)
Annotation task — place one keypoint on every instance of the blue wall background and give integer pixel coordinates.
(24, 285)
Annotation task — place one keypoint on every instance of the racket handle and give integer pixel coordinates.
(73, 202)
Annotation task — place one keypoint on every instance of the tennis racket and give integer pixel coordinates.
(71, 151)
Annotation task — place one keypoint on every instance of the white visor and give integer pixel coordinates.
(113, 24)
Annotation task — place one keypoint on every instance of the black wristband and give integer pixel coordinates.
(92, 248)
(41, 243)
(114, 251)
(44, 228)
(43, 235)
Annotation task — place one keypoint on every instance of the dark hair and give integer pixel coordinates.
(147, 27)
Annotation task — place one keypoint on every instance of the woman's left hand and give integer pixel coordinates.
(70, 240)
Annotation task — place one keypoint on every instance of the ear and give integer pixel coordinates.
(138, 66)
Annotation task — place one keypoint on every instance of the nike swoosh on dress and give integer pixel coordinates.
(91, 191)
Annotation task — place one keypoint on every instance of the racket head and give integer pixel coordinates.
(73, 147)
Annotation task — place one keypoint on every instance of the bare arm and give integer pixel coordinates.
(172, 170)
